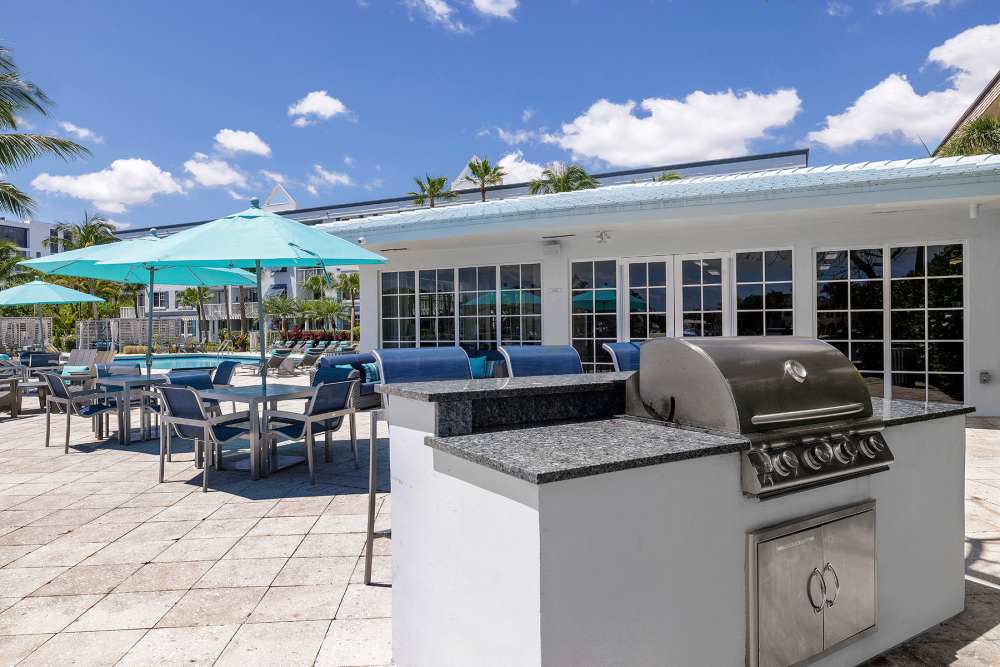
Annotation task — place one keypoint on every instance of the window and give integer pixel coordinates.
(764, 293)
(702, 296)
(17, 235)
(648, 299)
(399, 324)
(594, 308)
(521, 304)
(849, 309)
(437, 307)
(927, 322)
(477, 308)
(161, 300)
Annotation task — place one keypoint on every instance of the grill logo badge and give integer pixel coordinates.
(796, 370)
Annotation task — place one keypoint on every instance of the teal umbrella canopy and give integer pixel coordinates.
(249, 239)
(89, 263)
(38, 293)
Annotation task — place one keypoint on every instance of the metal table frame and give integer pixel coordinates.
(126, 383)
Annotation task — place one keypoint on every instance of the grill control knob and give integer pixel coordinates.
(844, 450)
(785, 463)
(818, 456)
(871, 445)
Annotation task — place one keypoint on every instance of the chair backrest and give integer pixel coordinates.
(106, 370)
(84, 357)
(192, 379)
(330, 397)
(529, 360)
(224, 371)
(422, 364)
(56, 385)
(42, 359)
(184, 403)
(276, 359)
(8, 388)
(330, 373)
(625, 356)
(104, 356)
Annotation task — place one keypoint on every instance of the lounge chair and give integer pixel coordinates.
(625, 356)
(531, 360)
(93, 404)
(308, 361)
(323, 414)
(286, 366)
(275, 360)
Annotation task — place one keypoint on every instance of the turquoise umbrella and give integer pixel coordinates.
(88, 263)
(255, 239)
(38, 293)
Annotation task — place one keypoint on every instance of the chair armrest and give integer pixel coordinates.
(232, 416)
(291, 416)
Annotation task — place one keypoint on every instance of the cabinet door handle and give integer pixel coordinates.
(836, 584)
(822, 589)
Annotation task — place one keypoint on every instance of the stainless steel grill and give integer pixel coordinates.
(800, 402)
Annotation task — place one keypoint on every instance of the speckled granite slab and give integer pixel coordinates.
(894, 413)
(465, 390)
(554, 452)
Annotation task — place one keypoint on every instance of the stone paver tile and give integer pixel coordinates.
(187, 512)
(354, 503)
(105, 500)
(341, 523)
(962, 653)
(240, 572)
(7, 603)
(212, 548)
(165, 576)
(69, 517)
(300, 506)
(58, 553)
(127, 611)
(88, 579)
(254, 644)
(179, 647)
(13, 649)
(249, 510)
(160, 530)
(128, 552)
(84, 649)
(213, 527)
(9, 554)
(19, 582)
(284, 525)
(311, 571)
(21, 517)
(361, 601)
(381, 570)
(298, 603)
(165, 499)
(265, 546)
(47, 614)
(213, 606)
(357, 642)
(98, 532)
(331, 544)
(35, 535)
(50, 501)
(129, 515)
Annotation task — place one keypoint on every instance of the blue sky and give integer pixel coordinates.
(349, 100)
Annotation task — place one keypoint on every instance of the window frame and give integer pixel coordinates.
(624, 301)
(618, 306)
(727, 285)
(764, 309)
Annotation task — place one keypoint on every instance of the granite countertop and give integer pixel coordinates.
(894, 413)
(465, 390)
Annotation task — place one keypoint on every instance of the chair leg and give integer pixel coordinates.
(163, 448)
(327, 443)
(48, 422)
(69, 415)
(310, 442)
(206, 447)
(166, 437)
(218, 455)
(354, 440)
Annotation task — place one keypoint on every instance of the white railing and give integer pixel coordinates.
(217, 311)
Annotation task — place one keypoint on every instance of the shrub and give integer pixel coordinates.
(134, 349)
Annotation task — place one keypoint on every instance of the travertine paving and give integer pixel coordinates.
(102, 565)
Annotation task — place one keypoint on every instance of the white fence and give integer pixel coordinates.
(16, 332)
(128, 331)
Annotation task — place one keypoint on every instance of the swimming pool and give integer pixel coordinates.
(171, 361)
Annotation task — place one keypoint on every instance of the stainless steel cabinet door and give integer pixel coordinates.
(790, 628)
(849, 573)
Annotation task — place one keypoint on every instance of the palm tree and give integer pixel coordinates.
(194, 297)
(431, 189)
(349, 287)
(94, 230)
(563, 179)
(10, 273)
(282, 308)
(17, 149)
(331, 310)
(977, 137)
(316, 284)
(482, 173)
(668, 176)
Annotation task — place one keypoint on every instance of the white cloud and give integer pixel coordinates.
(213, 172)
(314, 107)
(909, 5)
(835, 8)
(526, 115)
(23, 123)
(274, 176)
(322, 177)
(348, 160)
(81, 133)
(702, 126)
(517, 169)
(238, 196)
(438, 11)
(241, 141)
(499, 8)
(374, 184)
(893, 108)
(122, 184)
(515, 137)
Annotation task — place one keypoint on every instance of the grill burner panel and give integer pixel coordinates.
(800, 402)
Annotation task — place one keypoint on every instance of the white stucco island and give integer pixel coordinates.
(534, 524)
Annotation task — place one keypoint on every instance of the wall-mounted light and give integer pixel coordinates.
(973, 211)
(362, 240)
(603, 236)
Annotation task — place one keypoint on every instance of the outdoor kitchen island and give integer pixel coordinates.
(535, 524)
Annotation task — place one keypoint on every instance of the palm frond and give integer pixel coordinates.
(12, 200)
(17, 150)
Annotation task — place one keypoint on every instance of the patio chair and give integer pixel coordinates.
(42, 361)
(308, 361)
(10, 397)
(422, 364)
(531, 360)
(184, 415)
(625, 356)
(298, 347)
(197, 380)
(94, 404)
(286, 367)
(106, 356)
(323, 414)
(275, 360)
(224, 372)
(337, 368)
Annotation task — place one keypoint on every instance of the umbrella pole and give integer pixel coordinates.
(41, 333)
(262, 328)
(149, 324)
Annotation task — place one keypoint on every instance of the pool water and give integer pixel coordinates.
(172, 361)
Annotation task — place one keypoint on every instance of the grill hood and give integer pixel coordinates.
(747, 384)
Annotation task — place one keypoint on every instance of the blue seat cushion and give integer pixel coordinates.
(371, 372)
(75, 370)
(228, 430)
(479, 366)
(96, 409)
(293, 430)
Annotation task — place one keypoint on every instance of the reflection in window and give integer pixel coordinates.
(399, 299)
(437, 307)
(521, 304)
(477, 308)
(594, 311)
(764, 293)
(701, 297)
(647, 300)
(927, 322)
(849, 309)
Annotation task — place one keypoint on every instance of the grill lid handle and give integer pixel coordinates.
(806, 415)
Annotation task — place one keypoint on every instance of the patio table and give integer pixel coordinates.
(125, 385)
(254, 396)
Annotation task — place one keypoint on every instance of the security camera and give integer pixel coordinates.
(362, 240)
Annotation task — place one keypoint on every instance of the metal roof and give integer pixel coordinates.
(720, 189)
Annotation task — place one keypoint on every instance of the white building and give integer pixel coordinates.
(28, 235)
(895, 263)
